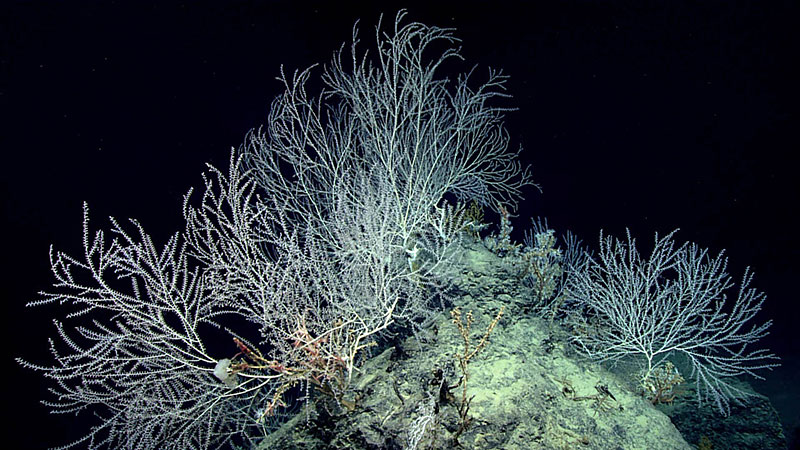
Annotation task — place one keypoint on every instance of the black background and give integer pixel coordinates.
(646, 115)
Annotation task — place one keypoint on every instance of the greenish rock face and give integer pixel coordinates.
(527, 388)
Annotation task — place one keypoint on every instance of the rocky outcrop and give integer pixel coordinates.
(527, 390)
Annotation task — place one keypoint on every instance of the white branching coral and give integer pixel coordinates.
(672, 304)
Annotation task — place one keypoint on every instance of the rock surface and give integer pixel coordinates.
(752, 426)
(527, 389)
